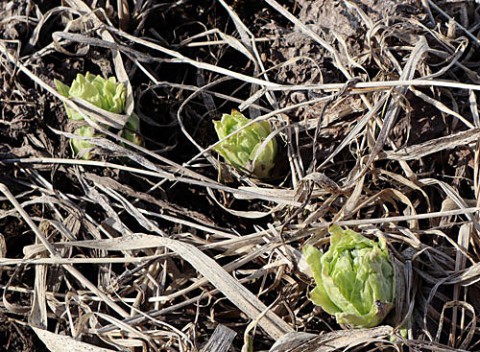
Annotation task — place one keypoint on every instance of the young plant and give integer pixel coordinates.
(355, 278)
(246, 149)
(106, 94)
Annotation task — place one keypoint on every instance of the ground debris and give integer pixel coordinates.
(161, 245)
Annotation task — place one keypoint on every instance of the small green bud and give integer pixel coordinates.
(106, 94)
(246, 148)
(355, 278)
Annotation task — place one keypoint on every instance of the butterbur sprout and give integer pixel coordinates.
(247, 148)
(106, 94)
(355, 278)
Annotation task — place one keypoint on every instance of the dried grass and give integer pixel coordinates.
(163, 249)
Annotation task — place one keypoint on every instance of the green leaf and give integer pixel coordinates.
(318, 295)
(82, 147)
(130, 132)
(62, 88)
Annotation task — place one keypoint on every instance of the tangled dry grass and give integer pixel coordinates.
(163, 247)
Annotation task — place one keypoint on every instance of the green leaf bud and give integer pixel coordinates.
(355, 278)
(106, 94)
(246, 149)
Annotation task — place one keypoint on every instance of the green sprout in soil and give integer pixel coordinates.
(247, 148)
(355, 278)
(106, 94)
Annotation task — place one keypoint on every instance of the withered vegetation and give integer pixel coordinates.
(164, 247)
